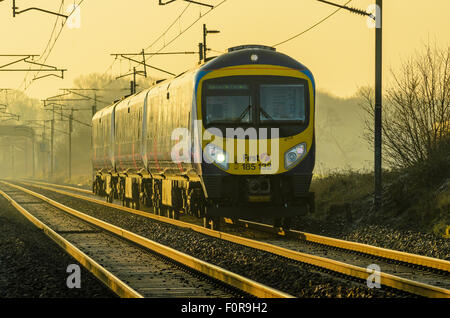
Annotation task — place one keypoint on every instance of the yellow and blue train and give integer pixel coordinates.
(255, 106)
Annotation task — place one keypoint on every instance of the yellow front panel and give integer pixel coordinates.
(256, 166)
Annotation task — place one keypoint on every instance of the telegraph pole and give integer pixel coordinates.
(52, 134)
(69, 118)
(200, 52)
(44, 165)
(133, 82)
(205, 33)
(94, 108)
(378, 105)
(70, 144)
(34, 153)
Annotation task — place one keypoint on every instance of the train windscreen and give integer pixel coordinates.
(282, 102)
(256, 101)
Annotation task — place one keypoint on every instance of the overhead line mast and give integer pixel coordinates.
(378, 187)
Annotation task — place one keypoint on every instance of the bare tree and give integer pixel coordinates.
(416, 108)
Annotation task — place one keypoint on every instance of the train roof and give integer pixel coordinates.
(252, 54)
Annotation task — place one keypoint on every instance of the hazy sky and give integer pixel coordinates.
(340, 51)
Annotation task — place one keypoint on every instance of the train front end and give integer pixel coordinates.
(256, 109)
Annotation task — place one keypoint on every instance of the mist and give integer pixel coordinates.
(339, 131)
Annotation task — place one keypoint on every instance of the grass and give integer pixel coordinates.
(415, 198)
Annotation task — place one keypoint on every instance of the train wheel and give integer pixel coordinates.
(287, 223)
(201, 211)
(277, 223)
(174, 214)
(211, 222)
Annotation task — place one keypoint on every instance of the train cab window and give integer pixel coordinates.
(225, 109)
(228, 103)
(281, 102)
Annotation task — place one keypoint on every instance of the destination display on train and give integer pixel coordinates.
(227, 86)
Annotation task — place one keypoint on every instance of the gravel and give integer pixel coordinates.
(33, 266)
(297, 279)
(376, 231)
(407, 241)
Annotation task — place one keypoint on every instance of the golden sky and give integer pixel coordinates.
(339, 52)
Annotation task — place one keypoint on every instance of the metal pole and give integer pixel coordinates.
(204, 42)
(70, 145)
(378, 106)
(200, 52)
(44, 155)
(51, 146)
(143, 62)
(134, 80)
(33, 151)
(94, 108)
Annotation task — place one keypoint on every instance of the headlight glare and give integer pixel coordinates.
(215, 154)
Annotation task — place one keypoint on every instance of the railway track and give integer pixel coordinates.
(412, 273)
(130, 265)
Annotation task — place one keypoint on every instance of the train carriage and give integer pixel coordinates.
(248, 118)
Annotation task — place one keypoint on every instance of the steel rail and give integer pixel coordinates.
(400, 256)
(106, 277)
(326, 263)
(229, 278)
(62, 186)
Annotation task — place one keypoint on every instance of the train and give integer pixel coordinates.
(233, 137)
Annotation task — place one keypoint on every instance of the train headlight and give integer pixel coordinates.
(213, 153)
(220, 157)
(294, 155)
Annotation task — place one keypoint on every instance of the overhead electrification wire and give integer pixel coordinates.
(217, 51)
(169, 27)
(165, 32)
(53, 30)
(186, 29)
(48, 43)
(107, 70)
(153, 43)
(311, 27)
(54, 42)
